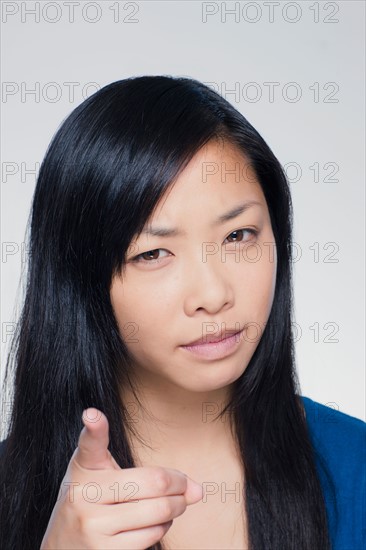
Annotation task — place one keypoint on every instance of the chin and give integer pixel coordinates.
(210, 381)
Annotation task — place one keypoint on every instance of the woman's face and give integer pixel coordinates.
(211, 277)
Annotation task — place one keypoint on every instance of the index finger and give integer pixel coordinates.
(145, 482)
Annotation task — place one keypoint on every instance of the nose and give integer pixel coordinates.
(208, 286)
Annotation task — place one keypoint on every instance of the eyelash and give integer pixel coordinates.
(138, 258)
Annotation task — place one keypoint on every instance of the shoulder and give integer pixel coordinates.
(338, 437)
(339, 443)
(337, 430)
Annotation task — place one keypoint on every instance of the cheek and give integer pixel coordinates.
(141, 317)
(258, 286)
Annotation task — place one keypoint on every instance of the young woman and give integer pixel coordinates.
(156, 402)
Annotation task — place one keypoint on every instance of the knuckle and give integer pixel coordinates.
(162, 480)
(76, 518)
(157, 532)
(165, 508)
(83, 524)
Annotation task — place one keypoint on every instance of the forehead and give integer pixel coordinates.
(219, 151)
(218, 171)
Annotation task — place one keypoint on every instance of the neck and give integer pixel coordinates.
(175, 427)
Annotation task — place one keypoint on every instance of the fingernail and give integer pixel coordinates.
(195, 482)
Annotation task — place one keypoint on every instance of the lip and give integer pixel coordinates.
(209, 338)
(215, 349)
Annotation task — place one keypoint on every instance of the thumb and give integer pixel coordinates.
(92, 451)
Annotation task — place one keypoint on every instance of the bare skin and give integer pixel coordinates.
(96, 508)
(213, 278)
(218, 519)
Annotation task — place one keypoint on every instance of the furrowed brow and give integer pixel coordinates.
(223, 218)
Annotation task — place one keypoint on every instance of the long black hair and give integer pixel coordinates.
(106, 168)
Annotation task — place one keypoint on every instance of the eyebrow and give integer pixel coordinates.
(175, 232)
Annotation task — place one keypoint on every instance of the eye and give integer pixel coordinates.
(152, 256)
(240, 232)
(149, 257)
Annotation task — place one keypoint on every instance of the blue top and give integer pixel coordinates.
(339, 442)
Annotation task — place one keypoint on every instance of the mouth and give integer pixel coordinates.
(216, 348)
(211, 338)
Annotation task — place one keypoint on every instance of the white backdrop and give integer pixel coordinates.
(296, 70)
